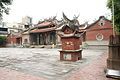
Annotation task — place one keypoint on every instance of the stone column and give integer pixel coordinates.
(113, 61)
(38, 38)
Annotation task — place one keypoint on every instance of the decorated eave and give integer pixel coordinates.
(74, 34)
(73, 27)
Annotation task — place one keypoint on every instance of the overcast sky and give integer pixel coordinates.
(88, 10)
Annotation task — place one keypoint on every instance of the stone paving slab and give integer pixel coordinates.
(94, 71)
(41, 64)
(7, 74)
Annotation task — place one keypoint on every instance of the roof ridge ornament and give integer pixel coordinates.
(71, 23)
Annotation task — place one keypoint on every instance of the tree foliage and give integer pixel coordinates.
(116, 4)
(4, 7)
(2, 40)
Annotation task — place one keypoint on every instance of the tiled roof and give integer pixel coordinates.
(42, 30)
(43, 24)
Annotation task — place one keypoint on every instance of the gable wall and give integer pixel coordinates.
(96, 29)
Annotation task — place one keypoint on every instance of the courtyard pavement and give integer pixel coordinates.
(44, 64)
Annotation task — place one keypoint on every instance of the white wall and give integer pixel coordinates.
(25, 36)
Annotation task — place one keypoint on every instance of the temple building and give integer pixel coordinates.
(46, 32)
(43, 34)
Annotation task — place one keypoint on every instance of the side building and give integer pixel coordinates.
(98, 33)
(16, 29)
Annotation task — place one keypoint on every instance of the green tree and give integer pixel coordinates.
(116, 10)
(4, 7)
(2, 40)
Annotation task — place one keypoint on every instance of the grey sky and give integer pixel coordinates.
(89, 10)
